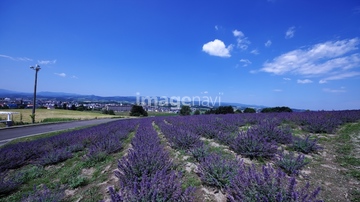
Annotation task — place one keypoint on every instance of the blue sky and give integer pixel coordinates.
(300, 53)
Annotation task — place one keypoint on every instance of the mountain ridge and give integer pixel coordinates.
(95, 98)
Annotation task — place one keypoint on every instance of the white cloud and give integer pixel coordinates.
(339, 76)
(342, 90)
(290, 33)
(287, 79)
(216, 27)
(305, 81)
(46, 62)
(74, 77)
(242, 41)
(277, 90)
(255, 52)
(24, 59)
(331, 57)
(245, 62)
(17, 58)
(268, 43)
(60, 74)
(238, 33)
(217, 48)
(8, 57)
(205, 92)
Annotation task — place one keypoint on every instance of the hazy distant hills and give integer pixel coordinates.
(66, 96)
(94, 98)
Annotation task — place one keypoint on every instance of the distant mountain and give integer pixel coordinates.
(4, 92)
(94, 98)
(56, 94)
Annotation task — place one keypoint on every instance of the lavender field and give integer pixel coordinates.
(307, 156)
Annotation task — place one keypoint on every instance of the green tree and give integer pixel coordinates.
(185, 110)
(197, 112)
(111, 112)
(276, 109)
(137, 110)
(249, 110)
(224, 110)
(210, 111)
(81, 108)
(221, 110)
(73, 107)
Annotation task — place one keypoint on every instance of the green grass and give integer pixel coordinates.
(50, 120)
(346, 149)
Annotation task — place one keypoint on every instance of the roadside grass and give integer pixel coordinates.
(70, 175)
(347, 147)
(50, 120)
(44, 114)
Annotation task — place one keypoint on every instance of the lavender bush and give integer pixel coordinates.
(209, 131)
(323, 123)
(290, 163)
(146, 173)
(227, 125)
(9, 183)
(163, 186)
(199, 153)
(267, 185)
(146, 157)
(54, 157)
(252, 145)
(180, 138)
(94, 156)
(139, 163)
(44, 195)
(305, 145)
(217, 171)
(226, 138)
(269, 128)
(109, 144)
(17, 155)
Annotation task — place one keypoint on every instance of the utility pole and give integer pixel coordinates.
(36, 68)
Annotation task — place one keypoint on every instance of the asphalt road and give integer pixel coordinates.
(10, 133)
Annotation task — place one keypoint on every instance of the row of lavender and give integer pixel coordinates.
(147, 173)
(239, 182)
(311, 121)
(96, 141)
(267, 131)
(261, 140)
